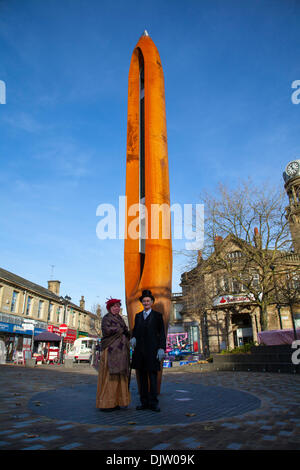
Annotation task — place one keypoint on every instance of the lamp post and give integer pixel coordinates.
(65, 300)
(278, 306)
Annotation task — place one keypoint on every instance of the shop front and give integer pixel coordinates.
(17, 337)
(184, 337)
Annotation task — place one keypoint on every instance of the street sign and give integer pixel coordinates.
(63, 328)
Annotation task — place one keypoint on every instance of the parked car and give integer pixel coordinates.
(82, 349)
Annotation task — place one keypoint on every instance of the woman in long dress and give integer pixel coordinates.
(112, 390)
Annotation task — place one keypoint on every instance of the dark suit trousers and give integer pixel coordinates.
(148, 395)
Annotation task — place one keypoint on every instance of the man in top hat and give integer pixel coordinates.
(148, 343)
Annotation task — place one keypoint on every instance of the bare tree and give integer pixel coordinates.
(287, 286)
(246, 232)
(96, 310)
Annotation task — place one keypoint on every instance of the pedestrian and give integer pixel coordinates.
(112, 389)
(45, 353)
(148, 343)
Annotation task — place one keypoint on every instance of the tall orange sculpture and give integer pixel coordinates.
(147, 247)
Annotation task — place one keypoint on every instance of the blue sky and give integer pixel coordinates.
(228, 68)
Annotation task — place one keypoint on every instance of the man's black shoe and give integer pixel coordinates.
(154, 408)
(142, 407)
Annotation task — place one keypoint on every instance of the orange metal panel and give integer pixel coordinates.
(156, 274)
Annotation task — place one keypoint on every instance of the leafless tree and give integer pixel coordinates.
(253, 220)
(97, 310)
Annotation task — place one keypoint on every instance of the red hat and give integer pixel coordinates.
(110, 302)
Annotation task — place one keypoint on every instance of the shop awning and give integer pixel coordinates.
(47, 336)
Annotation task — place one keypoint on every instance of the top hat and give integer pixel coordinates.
(146, 293)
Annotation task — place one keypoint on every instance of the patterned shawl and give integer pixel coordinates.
(115, 337)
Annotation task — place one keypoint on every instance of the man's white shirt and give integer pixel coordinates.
(146, 313)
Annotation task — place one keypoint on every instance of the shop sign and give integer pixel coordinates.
(233, 298)
(70, 336)
(4, 326)
(19, 329)
(82, 334)
(54, 329)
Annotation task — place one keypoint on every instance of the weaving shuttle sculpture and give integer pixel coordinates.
(147, 258)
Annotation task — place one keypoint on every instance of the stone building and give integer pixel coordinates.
(291, 178)
(23, 302)
(225, 312)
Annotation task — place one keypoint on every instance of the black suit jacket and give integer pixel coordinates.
(150, 337)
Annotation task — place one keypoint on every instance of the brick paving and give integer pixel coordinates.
(47, 408)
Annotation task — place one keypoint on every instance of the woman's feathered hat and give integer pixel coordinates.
(147, 293)
(110, 302)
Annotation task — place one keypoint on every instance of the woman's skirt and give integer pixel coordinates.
(112, 389)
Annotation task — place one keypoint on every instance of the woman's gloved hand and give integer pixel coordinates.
(160, 354)
(133, 342)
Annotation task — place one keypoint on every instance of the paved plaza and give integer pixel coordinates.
(51, 407)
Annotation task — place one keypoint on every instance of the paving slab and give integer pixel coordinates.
(54, 409)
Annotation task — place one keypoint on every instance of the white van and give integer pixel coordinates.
(82, 349)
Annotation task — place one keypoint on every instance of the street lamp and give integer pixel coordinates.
(65, 300)
(278, 306)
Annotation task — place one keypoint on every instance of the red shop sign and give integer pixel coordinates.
(54, 329)
(70, 335)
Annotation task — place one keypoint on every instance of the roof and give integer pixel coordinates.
(20, 281)
(42, 291)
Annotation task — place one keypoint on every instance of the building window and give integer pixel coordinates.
(177, 311)
(226, 283)
(40, 309)
(234, 255)
(255, 279)
(14, 301)
(236, 288)
(50, 312)
(57, 315)
(294, 281)
(28, 307)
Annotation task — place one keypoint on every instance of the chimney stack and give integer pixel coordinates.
(257, 238)
(54, 286)
(82, 303)
(218, 241)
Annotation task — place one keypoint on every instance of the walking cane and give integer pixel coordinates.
(129, 377)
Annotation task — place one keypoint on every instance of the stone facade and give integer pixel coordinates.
(226, 315)
(22, 299)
